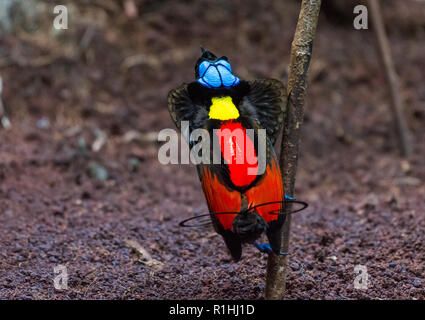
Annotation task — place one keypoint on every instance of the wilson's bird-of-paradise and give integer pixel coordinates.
(244, 202)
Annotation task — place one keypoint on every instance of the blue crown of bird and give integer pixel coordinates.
(242, 206)
(214, 72)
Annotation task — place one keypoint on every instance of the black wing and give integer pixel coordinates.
(182, 108)
(180, 105)
(266, 102)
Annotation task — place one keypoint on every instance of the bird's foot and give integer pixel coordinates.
(265, 248)
(289, 197)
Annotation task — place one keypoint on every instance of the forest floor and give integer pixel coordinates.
(81, 185)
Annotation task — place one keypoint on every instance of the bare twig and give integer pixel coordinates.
(300, 59)
(392, 79)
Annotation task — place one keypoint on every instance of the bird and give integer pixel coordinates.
(244, 202)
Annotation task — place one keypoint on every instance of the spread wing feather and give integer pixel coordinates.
(182, 108)
(267, 103)
(180, 105)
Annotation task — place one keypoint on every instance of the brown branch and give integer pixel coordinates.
(300, 60)
(392, 79)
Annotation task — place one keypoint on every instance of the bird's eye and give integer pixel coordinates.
(203, 67)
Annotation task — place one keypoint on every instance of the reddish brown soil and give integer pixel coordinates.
(366, 204)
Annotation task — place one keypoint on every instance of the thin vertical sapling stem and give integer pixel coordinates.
(384, 50)
(300, 60)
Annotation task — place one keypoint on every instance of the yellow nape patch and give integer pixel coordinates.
(223, 109)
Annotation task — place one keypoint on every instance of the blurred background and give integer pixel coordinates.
(81, 186)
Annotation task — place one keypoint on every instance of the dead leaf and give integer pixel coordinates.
(144, 256)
